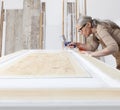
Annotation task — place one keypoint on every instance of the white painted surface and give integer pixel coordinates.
(25, 83)
(61, 104)
(53, 24)
(3, 39)
(47, 82)
(98, 78)
(13, 4)
(53, 40)
(110, 60)
(104, 9)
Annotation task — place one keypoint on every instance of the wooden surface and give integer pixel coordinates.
(60, 64)
(23, 27)
(13, 34)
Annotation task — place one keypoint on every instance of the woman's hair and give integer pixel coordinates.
(84, 19)
(110, 23)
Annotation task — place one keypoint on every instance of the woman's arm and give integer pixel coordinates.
(91, 44)
(100, 53)
(111, 45)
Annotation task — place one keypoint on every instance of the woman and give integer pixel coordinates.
(106, 33)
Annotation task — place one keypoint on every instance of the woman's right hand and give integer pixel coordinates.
(80, 46)
(72, 45)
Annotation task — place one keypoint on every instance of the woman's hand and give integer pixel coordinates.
(72, 45)
(89, 53)
(80, 46)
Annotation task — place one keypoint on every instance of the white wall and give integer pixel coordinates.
(13, 4)
(53, 24)
(104, 9)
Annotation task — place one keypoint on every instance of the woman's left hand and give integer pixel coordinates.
(89, 53)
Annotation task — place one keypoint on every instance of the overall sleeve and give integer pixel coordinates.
(107, 38)
(111, 45)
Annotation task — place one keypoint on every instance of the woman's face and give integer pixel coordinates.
(85, 30)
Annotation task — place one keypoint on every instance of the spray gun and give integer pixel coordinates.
(66, 43)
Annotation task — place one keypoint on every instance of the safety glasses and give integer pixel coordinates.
(81, 28)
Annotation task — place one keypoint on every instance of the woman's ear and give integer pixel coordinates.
(88, 24)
